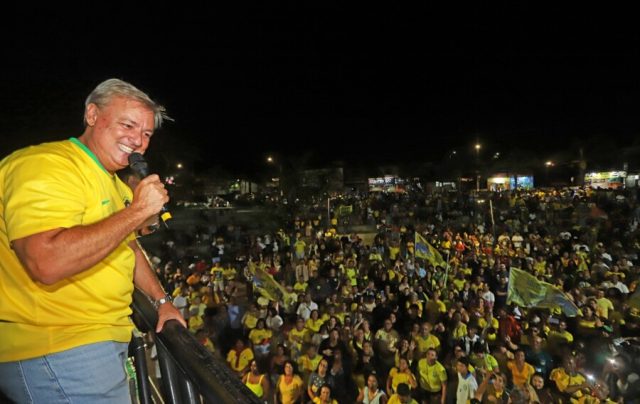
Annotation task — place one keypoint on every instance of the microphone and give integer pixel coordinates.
(139, 166)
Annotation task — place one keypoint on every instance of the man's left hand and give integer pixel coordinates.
(168, 312)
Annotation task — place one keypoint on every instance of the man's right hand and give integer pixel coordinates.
(149, 196)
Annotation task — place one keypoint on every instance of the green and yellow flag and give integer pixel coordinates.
(527, 291)
(427, 252)
(268, 287)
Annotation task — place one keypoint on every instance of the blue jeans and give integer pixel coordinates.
(91, 373)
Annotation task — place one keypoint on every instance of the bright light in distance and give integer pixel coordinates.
(477, 146)
(269, 159)
(549, 163)
(179, 165)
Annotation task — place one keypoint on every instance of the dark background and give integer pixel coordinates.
(321, 82)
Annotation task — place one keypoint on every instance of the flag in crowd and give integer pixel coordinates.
(269, 288)
(426, 251)
(526, 290)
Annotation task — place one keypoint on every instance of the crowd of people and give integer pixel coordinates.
(372, 323)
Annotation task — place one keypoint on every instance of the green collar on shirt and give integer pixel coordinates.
(89, 153)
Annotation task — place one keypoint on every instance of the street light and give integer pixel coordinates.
(547, 165)
(272, 161)
(179, 166)
(477, 147)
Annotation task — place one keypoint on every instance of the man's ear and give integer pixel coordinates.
(91, 114)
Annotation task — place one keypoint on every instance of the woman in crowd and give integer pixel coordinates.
(317, 379)
(289, 387)
(257, 382)
(401, 374)
(371, 393)
(325, 396)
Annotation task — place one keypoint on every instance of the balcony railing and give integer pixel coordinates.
(190, 373)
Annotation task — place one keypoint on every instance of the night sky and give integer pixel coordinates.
(318, 83)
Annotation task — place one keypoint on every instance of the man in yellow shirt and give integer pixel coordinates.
(432, 378)
(571, 384)
(68, 254)
(425, 340)
(403, 396)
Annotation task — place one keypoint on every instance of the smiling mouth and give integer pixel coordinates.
(125, 149)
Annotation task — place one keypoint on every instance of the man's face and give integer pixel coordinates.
(431, 357)
(121, 127)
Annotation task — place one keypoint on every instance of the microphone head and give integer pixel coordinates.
(138, 164)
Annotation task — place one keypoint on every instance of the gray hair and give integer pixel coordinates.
(110, 88)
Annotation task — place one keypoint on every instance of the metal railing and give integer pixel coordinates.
(190, 373)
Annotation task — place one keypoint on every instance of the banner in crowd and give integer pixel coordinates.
(268, 287)
(527, 291)
(427, 252)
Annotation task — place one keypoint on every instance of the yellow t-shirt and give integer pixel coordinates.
(563, 380)
(309, 365)
(398, 377)
(298, 337)
(289, 390)
(45, 187)
(423, 344)
(314, 325)
(237, 363)
(431, 377)
(395, 399)
(257, 336)
(520, 377)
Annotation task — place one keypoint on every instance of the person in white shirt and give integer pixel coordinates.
(467, 384)
(306, 307)
(488, 295)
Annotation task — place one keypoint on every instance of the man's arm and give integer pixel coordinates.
(145, 279)
(57, 254)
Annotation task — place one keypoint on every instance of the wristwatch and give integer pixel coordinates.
(164, 299)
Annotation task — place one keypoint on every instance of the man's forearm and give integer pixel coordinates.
(61, 253)
(144, 277)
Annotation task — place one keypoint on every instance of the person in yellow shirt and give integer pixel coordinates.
(570, 383)
(425, 340)
(250, 318)
(604, 305)
(325, 396)
(521, 371)
(69, 258)
(432, 377)
(314, 322)
(401, 374)
(403, 396)
(308, 363)
(297, 336)
(239, 358)
(217, 281)
(257, 382)
(260, 337)
(290, 387)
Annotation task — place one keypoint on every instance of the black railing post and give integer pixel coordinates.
(189, 393)
(137, 349)
(170, 375)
